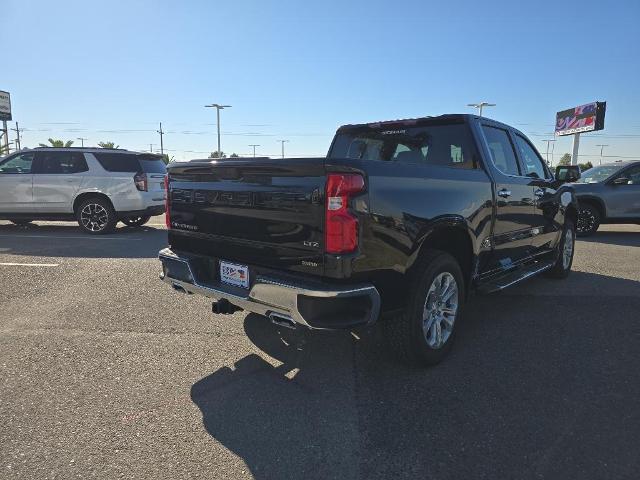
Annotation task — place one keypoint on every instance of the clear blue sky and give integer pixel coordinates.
(110, 70)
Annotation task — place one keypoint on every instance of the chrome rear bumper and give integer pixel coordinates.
(312, 304)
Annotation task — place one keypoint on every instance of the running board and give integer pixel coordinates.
(513, 277)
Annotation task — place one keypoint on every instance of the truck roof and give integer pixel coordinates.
(433, 120)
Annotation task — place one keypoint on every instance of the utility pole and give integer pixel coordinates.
(218, 107)
(161, 143)
(254, 149)
(151, 147)
(283, 142)
(480, 105)
(601, 149)
(548, 142)
(82, 139)
(17, 130)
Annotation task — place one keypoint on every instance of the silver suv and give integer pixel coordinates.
(608, 193)
(97, 187)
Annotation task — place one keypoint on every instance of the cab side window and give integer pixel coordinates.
(502, 153)
(64, 163)
(633, 174)
(531, 161)
(18, 164)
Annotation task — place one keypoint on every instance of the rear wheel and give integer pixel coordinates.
(588, 220)
(20, 222)
(424, 333)
(96, 216)
(136, 221)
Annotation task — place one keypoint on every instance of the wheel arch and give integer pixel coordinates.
(86, 195)
(450, 235)
(595, 201)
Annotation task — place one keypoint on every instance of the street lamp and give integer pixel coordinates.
(601, 149)
(480, 105)
(547, 156)
(218, 107)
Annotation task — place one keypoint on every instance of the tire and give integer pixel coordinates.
(566, 249)
(96, 216)
(410, 335)
(588, 220)
(136, 221)
(20, 222)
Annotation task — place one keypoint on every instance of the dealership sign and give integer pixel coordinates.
(5, 106)
(585, 118)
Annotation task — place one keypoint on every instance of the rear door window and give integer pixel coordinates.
(448, 145)
(152, 165)
(502, 152)
(61, 163)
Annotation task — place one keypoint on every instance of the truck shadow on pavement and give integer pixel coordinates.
(536, 386)
(54, 240)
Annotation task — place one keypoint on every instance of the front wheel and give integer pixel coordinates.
(562, 267)
(588, 220)
(424, 333)
(96, 216)
(136, 221)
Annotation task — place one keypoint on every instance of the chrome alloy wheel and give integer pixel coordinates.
(567, 251)
(94, 217)
(440, 310)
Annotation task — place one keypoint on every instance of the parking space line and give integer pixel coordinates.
(10, 264)
(65, 237)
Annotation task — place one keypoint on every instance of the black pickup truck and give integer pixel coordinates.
(403, 218)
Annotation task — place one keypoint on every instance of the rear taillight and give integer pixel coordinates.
(140, 179)
(341, 227)
(167, 203)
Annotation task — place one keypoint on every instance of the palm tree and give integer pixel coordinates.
(58, 143)
(108, 145)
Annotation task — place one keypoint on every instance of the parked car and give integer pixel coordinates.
(405, 217)
(96, 187)
(609, 193)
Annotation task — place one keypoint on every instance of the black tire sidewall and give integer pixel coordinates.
(112, 220)
(143, 219)
(421, 349)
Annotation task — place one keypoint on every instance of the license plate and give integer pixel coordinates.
(233, 274)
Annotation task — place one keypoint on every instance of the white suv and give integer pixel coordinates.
(97, 187)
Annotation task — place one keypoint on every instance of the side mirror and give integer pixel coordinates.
(621, 181)
(568, 173)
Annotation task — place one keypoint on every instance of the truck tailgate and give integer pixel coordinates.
(251, 211)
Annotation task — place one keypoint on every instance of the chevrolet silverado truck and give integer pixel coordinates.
(402, 220)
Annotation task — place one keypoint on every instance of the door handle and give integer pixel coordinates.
(538, 192)
(504, 193)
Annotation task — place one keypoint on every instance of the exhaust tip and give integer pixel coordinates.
(282, 321)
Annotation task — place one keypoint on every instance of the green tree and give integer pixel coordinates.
(234, 155)
(166, 159)
(565, 159)
(218, 154)
(585, 166)
(58, 143)
(108, 145)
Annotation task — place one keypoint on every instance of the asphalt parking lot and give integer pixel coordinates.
(107, 373)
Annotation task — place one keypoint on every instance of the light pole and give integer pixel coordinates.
(218, 107)
(601, 149)
(82, 139)
(254, 149)
(283, 142)
(480, 105)
(547, 155)
(161, 132)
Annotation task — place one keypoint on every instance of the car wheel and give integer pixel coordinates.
(424, 333)
(20, 222)
(588, 220)
(566, 248)
(96, 216)
(136, 221)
